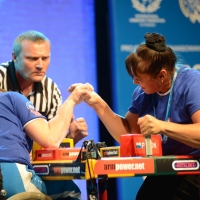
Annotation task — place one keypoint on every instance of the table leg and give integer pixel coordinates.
(92, 189)
(102, 188)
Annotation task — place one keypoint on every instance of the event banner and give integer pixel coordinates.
(177, 20)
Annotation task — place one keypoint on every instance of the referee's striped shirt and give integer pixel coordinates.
(46, 96)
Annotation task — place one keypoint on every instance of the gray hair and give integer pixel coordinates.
(32, 35)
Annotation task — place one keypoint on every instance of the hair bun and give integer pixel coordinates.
(155, 41)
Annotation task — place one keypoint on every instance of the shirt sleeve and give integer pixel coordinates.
(186, 98)
(2, 78)
(24, 109)
(136, 100)
(56, 102)
(192, 96)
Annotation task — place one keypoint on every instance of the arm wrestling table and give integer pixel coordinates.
(96, 164)
(115, 167)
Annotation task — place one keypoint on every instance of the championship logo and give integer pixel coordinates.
(191, 9)
(146, 16)
(146, 6)
(30, 106)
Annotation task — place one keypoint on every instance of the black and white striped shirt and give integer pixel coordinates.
(46, 96)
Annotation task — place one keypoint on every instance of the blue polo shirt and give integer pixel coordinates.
(185, 102)
(15, 112)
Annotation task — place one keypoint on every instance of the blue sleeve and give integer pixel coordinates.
(186, 97)
(24, 109)
(134, 108)
(192, 94)
(142, 103)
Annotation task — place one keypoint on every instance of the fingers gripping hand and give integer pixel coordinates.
(73, 87)
(80, 91)
(149, 125)
(93, 100)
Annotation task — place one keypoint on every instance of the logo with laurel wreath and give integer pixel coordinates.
(146, 6)
(191, 9)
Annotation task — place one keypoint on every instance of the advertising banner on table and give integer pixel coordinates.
(177, 20)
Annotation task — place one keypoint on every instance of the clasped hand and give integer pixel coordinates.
(80, 92)
(90, 97)
(78, 129)
(149, 125)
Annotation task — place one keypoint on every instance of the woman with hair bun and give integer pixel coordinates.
(166, 102)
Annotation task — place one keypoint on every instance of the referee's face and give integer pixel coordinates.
(33, 61)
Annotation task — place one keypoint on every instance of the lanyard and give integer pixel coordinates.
(164, 139)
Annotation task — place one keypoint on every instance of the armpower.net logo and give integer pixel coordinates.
(124, 166)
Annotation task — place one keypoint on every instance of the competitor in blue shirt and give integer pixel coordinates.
(20, 125)
(166, 102)
(186, 101)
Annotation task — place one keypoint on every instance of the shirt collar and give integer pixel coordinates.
(15, 85)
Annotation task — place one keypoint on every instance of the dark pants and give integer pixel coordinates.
(169, 187)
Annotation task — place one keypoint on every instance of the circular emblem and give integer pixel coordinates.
(30, 106)
(191, 9)
(146, 6)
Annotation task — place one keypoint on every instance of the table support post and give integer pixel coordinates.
(92, 193)
(102, 188)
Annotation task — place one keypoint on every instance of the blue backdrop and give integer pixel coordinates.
(69, 24)
(178, 21)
